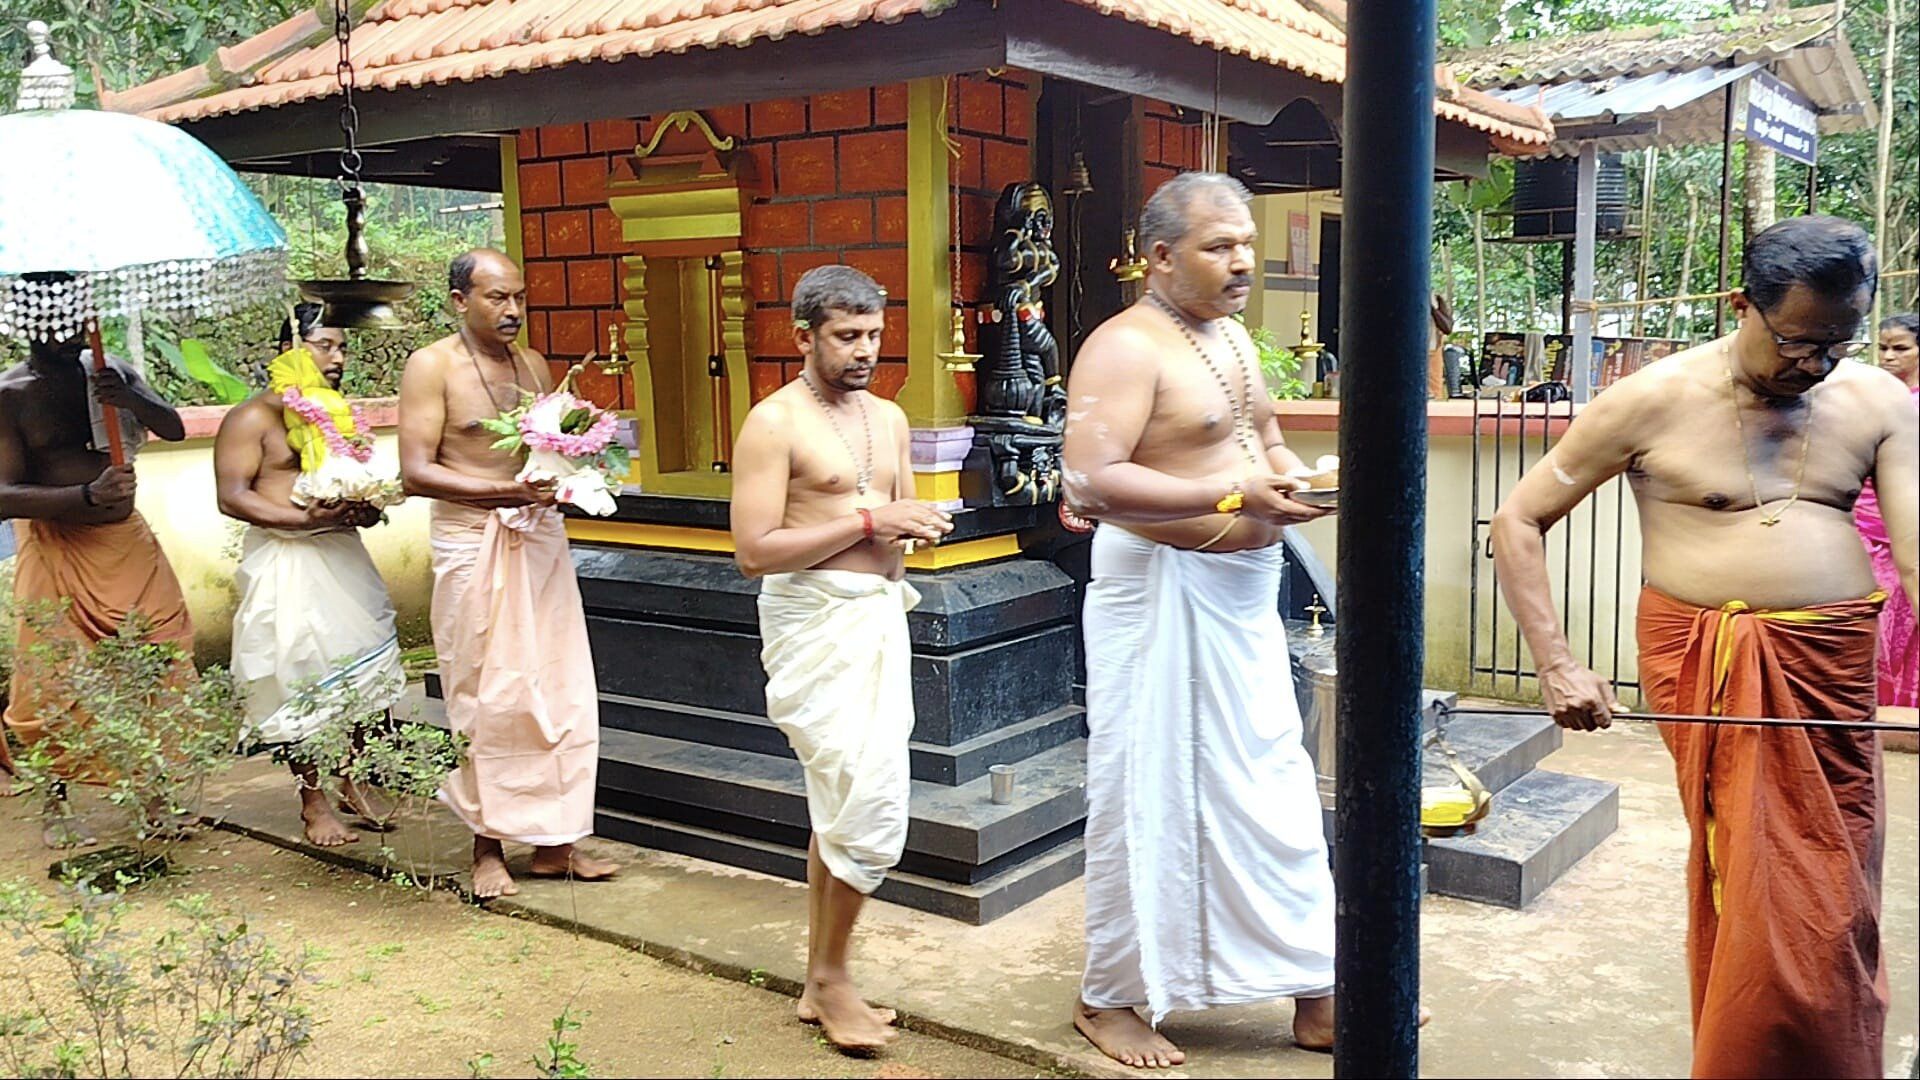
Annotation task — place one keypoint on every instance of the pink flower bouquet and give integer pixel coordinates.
(569, 442)
(343, 473)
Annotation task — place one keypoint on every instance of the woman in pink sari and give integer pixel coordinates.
(1899, 648)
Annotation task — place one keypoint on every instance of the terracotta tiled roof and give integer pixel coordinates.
(412, 43)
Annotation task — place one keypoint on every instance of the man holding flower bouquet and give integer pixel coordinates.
(823, 512)
(314, 630)
(507, 618)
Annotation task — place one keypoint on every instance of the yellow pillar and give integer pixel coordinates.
(930, 397)
(510, 196)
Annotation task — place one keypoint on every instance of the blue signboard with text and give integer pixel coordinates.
(1779, 116)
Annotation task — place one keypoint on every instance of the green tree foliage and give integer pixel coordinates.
(116, 44)
(1523, 282)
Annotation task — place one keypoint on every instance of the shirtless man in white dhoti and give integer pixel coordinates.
(507, 619)
(314, 629)
(822, 510)
(1207, 874)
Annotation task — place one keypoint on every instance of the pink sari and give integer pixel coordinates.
(1899, 647)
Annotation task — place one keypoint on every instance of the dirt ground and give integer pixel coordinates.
(418, 984)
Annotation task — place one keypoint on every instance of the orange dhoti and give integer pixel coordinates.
(516, 672)
(1783, 879)
(103, 573)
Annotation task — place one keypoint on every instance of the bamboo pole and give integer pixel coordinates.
(1883, 151)
(1686, 258)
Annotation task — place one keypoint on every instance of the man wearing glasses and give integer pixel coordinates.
(1745, 455)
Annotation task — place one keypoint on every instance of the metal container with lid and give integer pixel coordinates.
(1316, 681)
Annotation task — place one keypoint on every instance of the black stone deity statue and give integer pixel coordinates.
(1022, 404)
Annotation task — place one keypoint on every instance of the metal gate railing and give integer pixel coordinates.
(1594, 550)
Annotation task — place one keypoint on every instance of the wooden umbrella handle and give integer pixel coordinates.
(116, 449)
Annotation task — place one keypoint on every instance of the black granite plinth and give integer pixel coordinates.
(690, 763)
(933, 762)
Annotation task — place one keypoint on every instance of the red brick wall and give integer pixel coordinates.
(1169, 146)
(992, 120)
(833, 173)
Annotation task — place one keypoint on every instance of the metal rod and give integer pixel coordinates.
(1473, 544)
(1619, 532)
(1499, 455)
(1519, 474)
(1726, 211)
(1385, 298)
(1695, 718)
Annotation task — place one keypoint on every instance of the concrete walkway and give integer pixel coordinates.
(1589, 981)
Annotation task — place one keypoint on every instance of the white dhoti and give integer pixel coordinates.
(313, 636)
(840, 686)
(1207, 875)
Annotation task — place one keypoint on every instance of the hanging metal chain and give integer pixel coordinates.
(349, 115)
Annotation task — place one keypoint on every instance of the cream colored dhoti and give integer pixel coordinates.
(839, 685)
(516, 672)
(313, 637)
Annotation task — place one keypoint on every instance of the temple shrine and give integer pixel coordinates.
(669, 170)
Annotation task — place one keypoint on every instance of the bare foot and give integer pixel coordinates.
(360, 802)
(490, 877)
(849, 1023)
(1123, 1036)
(323, 829)
(67, 830)
(1313, 1022)
(568, 861)
(808, 1014)
(6, 784)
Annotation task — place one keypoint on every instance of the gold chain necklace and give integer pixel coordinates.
(1746, 457)
(863, 471)
(1240, 407)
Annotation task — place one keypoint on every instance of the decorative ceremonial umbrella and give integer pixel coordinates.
(104, 214)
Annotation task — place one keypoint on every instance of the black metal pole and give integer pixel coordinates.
(1726, 212)
(1386, 254)
(1813, 188)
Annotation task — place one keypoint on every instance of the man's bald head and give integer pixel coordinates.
(460, 271)
(490, 295)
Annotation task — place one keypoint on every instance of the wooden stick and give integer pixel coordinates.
(116, 449)
(1712, 721)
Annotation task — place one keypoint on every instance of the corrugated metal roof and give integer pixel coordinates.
(414, 43)
(1672, 74)
(1641, 50)
(1615, 99)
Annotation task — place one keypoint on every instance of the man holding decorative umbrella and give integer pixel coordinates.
(80, 539)
(76, 250)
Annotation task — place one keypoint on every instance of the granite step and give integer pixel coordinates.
(932, 762)
(976, 903)
(1497, 749)
(1539, 827)
(952, 829)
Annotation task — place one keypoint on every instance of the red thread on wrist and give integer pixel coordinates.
(866, 522)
